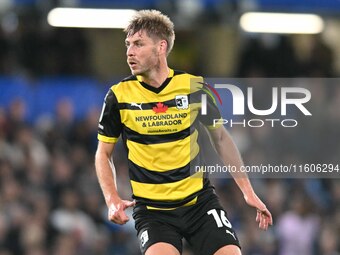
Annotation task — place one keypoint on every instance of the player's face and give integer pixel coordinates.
(142, 53)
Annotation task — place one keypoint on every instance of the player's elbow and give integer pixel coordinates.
(219, 135)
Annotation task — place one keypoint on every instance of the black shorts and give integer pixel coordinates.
(204, 225)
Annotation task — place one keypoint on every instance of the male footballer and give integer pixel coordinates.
(156, 111)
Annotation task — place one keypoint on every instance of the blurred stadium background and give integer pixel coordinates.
(52, 83)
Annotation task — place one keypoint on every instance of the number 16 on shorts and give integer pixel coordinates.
(221, 220)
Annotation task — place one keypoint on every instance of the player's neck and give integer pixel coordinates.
(157, 76)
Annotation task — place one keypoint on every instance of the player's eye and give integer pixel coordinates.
(139, 44)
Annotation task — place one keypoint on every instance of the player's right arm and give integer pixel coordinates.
(109, 130)
(107, 179)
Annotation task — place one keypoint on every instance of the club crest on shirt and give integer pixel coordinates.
(182, 102)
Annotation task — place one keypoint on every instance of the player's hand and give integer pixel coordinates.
(117, 213)
(263, 215)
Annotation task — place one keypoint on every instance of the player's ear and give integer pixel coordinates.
(163, 45)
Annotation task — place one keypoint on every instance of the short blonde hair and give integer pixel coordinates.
(155, 24)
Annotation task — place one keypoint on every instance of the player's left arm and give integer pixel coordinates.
(230, 155)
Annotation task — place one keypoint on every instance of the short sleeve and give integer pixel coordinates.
(110, 125)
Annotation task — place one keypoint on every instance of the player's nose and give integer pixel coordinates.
(130, 51)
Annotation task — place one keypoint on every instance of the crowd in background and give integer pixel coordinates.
(50, 200)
